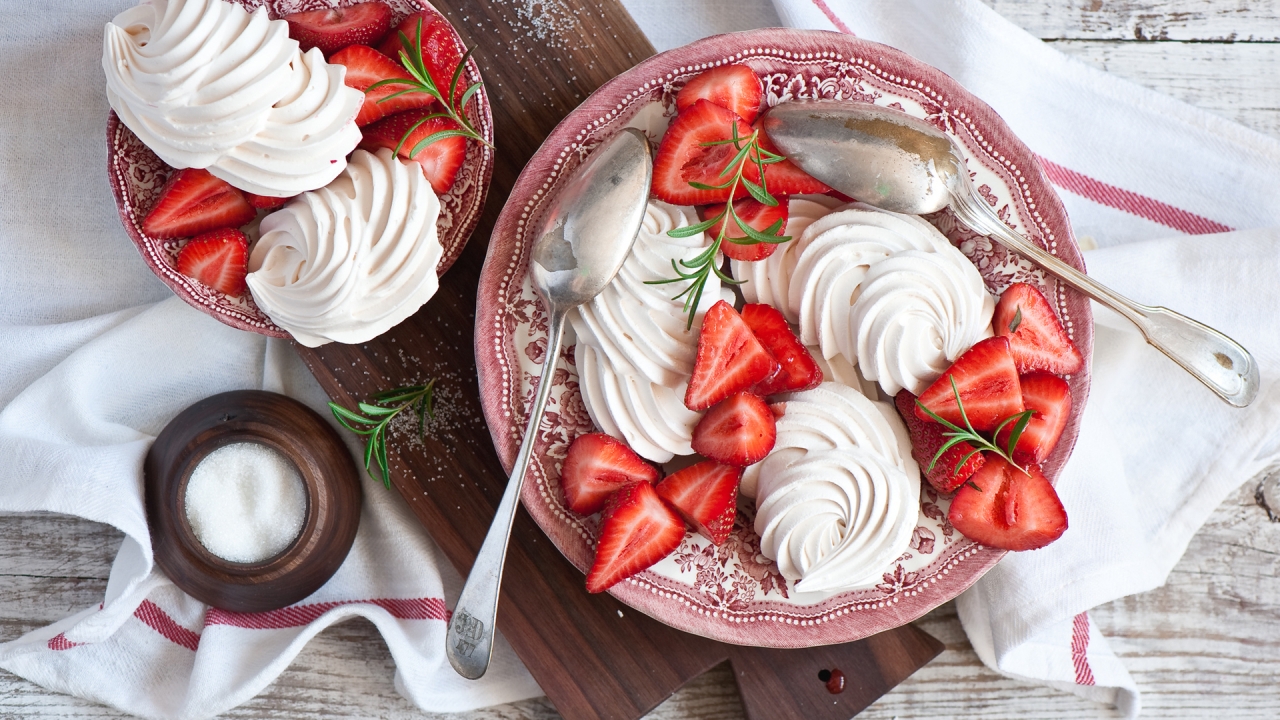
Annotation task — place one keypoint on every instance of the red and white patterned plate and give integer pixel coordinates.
(732, 593)
(137, 176)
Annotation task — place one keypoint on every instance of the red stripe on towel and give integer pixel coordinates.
(1079, 649)
(158, 620)
(835, 19)
(299, 615)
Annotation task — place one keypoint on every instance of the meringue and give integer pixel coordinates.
(767, 280)
(348, 262)
(205, 84)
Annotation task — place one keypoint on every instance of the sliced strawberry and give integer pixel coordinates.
(440, 52)
(332, 29)
(988, 384)
(440, 160)
(926, 439)
(1050, 396)
(758, 216)
(682, 157)
(733, 87)
(1035, 335)
(797, 369)
(1008, 509)
(217, 259)
(596, 466)
(784, 178)
(730, 359)
(193, 201)
(706, 496)
(636, 531)
(738, 431)
(366, 66)
(266, 202)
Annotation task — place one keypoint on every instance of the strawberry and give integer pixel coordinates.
(1037, 338)
(217, 259)
(733, 87)
(739, 431)
(784, 178)
(596, 466)
(1009, 509)
(366, 66)
(755, 214)
(682, 158)
(797, 369)
(440, 52)
(1050, 397)
(706, 496)
(266, 202)
(729, 359)
(193, 201)
(332, 29)
(440, 160)
(637, 530)
(926, 438)
(988, 385)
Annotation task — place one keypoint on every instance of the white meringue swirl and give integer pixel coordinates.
(349, 261)
(205, 84)
(767, 280)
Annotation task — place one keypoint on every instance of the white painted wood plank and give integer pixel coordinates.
(1201, 20)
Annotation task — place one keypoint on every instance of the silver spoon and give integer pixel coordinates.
(587, 234)
(895, 162)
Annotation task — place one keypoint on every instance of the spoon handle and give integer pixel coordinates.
(1216, 360)
(469, 638)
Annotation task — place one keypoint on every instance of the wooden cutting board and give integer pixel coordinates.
(592, 655)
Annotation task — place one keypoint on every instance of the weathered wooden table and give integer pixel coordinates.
(1208, 643)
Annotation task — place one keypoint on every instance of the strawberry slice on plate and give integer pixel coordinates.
(440, 52)
(730, 359)
(332, 29)
(760, 217)
(1037, 339)
(440, 160)
(217, 259)
(1008, 509)
(682, 157)
(988, 383)
(706, 496)
(596, 466)
(784, 178)
(734, 87)
(926, 439)
(637, 530)
(738, 431)
(1050, 397)
(366, 66)
(266, 202)
(193, 201)
(797, 369)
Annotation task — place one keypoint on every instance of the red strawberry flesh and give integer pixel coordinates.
(266, 202)
(332, 29)
(926, 439)
(637, 530)
(1036, 337)
(734, 87)
(730, 359)
(706, 496)
(988, 383)
(797, 370)
(217, 259)
(1050, 397)
(194, 201)
(1008, 509)
(758, 216)
(682, 157)
(596, 466)
(738, 431)
(365, 67)
(440, 161)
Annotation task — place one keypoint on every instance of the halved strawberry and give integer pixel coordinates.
(332, 29)
(1050, 396)
(682, 158)
(440, 160)
(1035, 335)
(636, 531)
(597, 465)
(755, 214)
(797, 369)
(988, 384)
(217, 259)
(193, 201)
(926, 438)
(706, 496)
(1008, 509)
(734, 87)
(784, 178)
(738, 431)
(266, 202)
(440, 52)
(366, 66)
(730, 359)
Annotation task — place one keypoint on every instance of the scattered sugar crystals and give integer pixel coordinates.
(246, 502)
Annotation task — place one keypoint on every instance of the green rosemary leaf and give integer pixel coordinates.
(374, 410)
(759, 194)
(713, 143)
(956, 390)
(736, 162)
(964, 460)
(424, 142)
(690, 230)
(763, 237)
(393, 81)
(466, 96)
(383, 465)
(939, 419)
(1016, 433)
(341, 412)
(457, 74)
(704, 186)
(369, 450)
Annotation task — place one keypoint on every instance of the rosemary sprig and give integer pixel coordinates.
(377, 418)
(957, 434)
(420, 81)
(700, 268)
